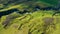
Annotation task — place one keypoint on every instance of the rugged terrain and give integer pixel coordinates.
(29, 17)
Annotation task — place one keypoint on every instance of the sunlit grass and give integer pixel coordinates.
(35, 18)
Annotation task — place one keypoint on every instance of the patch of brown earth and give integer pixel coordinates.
(48, 20)
(48, 23)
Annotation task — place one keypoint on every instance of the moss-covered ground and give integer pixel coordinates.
(35, 22)
(40, 22)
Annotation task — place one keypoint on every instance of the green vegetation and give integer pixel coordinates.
(52, 2)
(35, 22)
